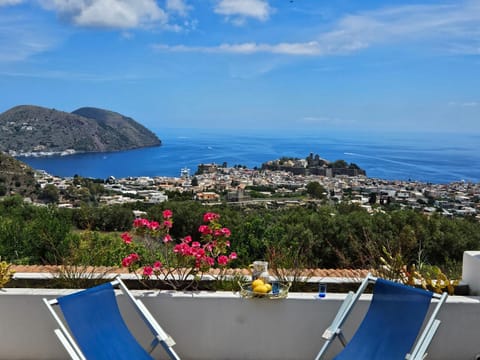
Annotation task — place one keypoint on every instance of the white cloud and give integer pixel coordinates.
(464, 104)
(73, 75)
(247, 48)
(439, 24)
(121, 14)
(22, 37)
(315, 119)
(10, 2)
(465, 49)
(452, 28)
(127, 35)
(325, 120)
(239, 10)
(178, 6)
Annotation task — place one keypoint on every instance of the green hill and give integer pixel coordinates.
(34, 129)
(16, 177)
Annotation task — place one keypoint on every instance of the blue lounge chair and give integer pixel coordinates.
(97, 328)
(391, 325)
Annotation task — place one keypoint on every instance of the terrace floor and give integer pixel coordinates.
(222, 325)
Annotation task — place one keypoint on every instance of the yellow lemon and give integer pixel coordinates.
(269, 287)
(257, 282)
(262, 289)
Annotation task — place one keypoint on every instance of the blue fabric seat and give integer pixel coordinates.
(391, 325)
(97, 328)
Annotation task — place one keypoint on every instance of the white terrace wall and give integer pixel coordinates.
(225, 326)
(471, 271)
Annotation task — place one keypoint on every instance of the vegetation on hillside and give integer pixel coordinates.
(16, 177)
(27, 128)
(340, 236)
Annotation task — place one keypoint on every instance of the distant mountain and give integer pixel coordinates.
(35, 130)
(16, 177)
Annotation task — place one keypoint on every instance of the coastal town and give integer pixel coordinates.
(241, 186)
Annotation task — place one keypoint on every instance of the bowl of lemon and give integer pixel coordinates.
(260, 288)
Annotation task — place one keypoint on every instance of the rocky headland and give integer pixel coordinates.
(29, 130)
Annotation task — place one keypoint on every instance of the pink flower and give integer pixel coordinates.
(139, 222)
(128, 260)
(134, 256)
(222, 260)
(167, 214)
(210, 216)
(147, 271)
(204, 230)
(226, 232)
(127, 239)
(153, 225)
(183, 249)
(209, 247)
(199, 253)
(210, 261)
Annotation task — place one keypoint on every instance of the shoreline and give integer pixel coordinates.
(43, 154)
(433, 160)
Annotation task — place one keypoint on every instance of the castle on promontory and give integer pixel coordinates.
(313, 164)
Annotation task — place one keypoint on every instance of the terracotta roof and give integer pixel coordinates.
(347, 273)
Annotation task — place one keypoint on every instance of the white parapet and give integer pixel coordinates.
(224, 326)
(471, 271)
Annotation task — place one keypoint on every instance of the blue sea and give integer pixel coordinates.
(433, 158)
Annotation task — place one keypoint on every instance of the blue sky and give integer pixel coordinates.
(256, 64)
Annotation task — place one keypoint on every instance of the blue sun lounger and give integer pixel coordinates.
(97, 329)
(391, 325)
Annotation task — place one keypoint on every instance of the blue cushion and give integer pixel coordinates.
(97, 325)
(391, 325)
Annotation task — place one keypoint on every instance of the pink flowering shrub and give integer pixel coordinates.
(153, 254)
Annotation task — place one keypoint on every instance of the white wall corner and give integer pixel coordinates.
(471, 271)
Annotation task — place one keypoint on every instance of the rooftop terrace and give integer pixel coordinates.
(222, 325)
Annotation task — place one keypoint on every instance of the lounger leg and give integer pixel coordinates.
(169, 350)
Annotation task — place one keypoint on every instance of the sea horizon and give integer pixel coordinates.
(425, 157)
